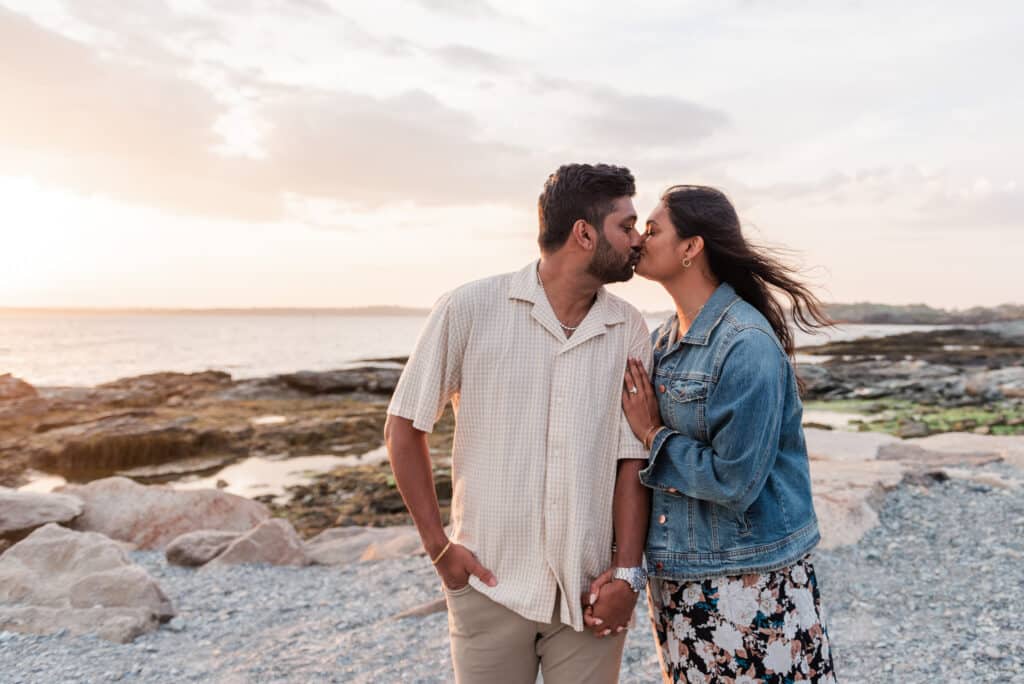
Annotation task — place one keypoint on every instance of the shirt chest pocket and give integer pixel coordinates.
(683, 405)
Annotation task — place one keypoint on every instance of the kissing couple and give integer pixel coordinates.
(594, 459)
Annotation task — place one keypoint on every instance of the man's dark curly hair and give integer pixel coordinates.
(579, 191)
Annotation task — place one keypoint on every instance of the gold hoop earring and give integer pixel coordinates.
(687, 262)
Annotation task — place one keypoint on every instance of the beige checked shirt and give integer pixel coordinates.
(539, 431)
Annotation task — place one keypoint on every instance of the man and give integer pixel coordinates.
(544, 465)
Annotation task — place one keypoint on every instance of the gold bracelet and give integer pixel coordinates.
(443, 551)
(648, 441)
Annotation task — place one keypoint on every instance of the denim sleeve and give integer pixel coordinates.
(744, 418)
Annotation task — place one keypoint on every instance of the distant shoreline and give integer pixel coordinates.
(862, 313)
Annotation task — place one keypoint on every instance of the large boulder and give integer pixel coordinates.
(841, 445)
(1008, 447)
(848, 495)
(275, 542)
(15, 388)
(849, 482)
(198, 548)
(344, 545)
(22, 512)
(153, 516)
(914, 453)
(58, 579)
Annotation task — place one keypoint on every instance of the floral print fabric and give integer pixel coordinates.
(742, 629)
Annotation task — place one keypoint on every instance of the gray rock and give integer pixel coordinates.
(198, 548)
(903, 451)
(913, 428)
(997, 384)
(344, 545)
(153, 516)
(274, 541)
(58, 579)
(22, 512)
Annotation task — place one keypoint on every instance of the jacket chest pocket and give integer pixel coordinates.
(683, 405)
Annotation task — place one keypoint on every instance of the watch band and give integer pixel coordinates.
(635, 577)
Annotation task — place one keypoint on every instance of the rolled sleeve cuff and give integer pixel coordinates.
(648, 476)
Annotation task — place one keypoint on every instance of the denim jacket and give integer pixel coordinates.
(730, 477)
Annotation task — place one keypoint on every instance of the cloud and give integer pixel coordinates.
(462, 56)
(409, 147)
(613, 117)
(146, 135)
(907, 194)
(111, 127)
(464, 8)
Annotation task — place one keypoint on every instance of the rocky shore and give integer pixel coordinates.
(903, 432)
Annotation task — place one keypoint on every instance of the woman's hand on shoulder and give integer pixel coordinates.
(638, 401)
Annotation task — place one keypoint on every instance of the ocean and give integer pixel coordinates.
(84, 349)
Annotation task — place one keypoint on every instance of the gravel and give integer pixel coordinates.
(934, 593)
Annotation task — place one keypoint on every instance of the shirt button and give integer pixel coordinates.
(662, 519)
(661, 388)
(658, 565)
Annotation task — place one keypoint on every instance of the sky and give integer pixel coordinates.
(337, 153)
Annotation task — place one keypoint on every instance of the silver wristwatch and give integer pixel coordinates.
(636, 577)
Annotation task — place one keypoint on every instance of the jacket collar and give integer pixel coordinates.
(707, 320)
(525, 286)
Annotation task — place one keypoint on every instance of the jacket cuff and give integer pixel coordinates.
(647, 475)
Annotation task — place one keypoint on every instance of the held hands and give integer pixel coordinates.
(609, 606)
(457, 564)
(641, 406)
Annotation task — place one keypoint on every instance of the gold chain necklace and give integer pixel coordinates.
(567, 327)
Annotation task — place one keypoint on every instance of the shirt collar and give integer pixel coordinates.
(711, 314)
(526, 286)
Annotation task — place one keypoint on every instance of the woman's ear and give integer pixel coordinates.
(583, 234)
(696, 246)
(690, 247)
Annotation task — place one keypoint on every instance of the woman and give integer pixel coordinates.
(733, 595)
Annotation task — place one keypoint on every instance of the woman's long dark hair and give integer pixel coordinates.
(752, 271)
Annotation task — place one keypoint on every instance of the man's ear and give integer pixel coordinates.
(584, 235)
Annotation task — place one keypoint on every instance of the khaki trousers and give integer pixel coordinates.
(492, 644)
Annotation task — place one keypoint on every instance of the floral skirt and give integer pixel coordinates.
(742, 629)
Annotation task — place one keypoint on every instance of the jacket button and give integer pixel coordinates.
(662, 519)
(658, 565)
(661, 388)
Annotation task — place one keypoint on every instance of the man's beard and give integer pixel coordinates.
(609, 266)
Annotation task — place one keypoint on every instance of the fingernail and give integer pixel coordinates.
(598, 621)
(618, 630)
(606, 632)
(593, 597)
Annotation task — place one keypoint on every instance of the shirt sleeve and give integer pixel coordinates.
(433, 373)
(744, 414)
(640, 348)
